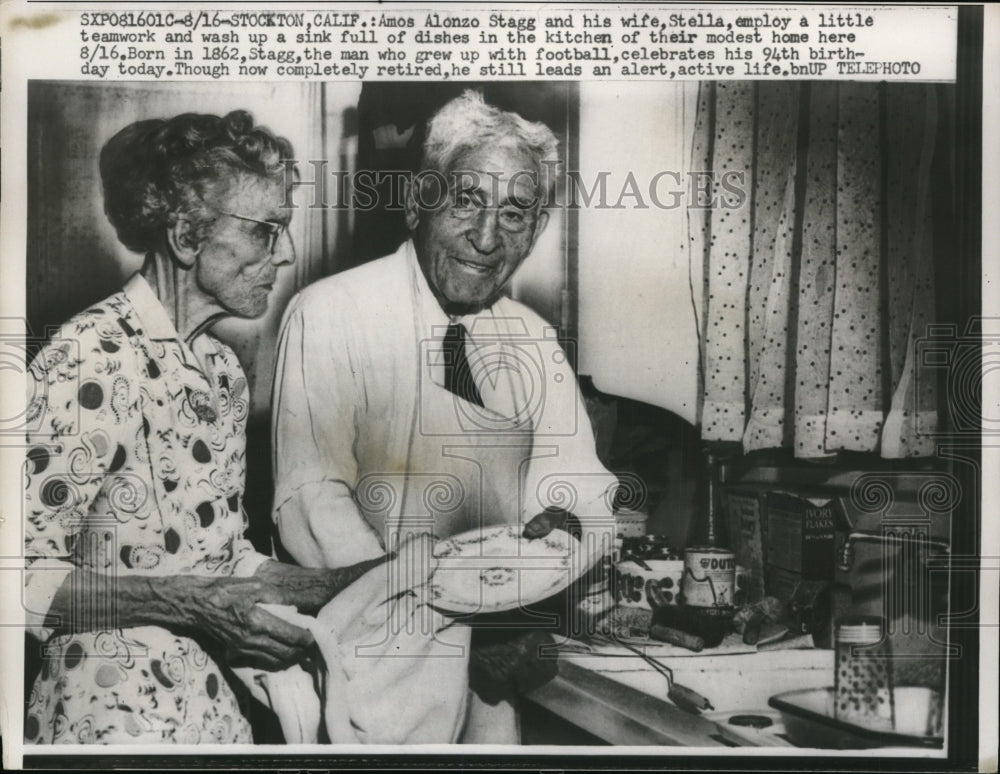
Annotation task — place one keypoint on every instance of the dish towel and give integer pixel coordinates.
(395, 671)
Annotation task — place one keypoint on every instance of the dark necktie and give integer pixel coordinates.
(457, 373)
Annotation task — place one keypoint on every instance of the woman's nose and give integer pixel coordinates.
(484, 232)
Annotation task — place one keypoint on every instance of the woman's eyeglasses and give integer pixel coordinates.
(274, 230)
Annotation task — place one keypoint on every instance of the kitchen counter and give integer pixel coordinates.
(619, 698)
(622, 715)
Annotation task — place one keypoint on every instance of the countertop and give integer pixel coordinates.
(615, 695)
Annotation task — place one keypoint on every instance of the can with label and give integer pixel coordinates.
(708, 590)
(710, 579)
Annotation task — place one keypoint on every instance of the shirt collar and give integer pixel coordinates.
(147, 306)
(486, 333)
(430, 313)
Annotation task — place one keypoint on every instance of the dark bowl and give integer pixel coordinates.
(809, 722)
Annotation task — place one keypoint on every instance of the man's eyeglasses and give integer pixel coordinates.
(511, 217)
(274, 230)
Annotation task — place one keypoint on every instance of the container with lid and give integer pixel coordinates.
(863, 679)
(629, 523)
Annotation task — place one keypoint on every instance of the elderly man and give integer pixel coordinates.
(413, 394)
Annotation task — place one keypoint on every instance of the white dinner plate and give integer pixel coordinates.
(495, 569)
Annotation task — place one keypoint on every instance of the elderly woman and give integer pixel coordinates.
(139, 580)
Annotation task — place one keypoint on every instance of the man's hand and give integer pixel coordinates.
(549, 519)
(224, 611)
(504, 664)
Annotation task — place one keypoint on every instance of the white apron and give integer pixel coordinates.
(468, 466)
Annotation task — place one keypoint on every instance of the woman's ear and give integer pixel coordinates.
(183, 242)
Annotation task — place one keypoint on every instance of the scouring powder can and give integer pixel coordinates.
(709, 579)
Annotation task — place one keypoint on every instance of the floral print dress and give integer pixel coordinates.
(135, 465)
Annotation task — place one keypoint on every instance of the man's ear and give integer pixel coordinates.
(410, 206)
(540, 224)
(183, 242)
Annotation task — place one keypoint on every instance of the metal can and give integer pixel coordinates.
(633, 579)
(709, 579)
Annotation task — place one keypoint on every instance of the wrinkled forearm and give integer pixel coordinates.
(87, 601)
(310, 588)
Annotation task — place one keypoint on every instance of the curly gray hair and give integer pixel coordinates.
(155, 170)
(468, 123)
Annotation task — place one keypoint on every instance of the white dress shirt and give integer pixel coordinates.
(367, 441)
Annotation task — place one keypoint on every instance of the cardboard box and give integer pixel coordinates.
(747, 529)
(800, 541)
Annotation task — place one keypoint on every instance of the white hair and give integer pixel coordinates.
(468, 123)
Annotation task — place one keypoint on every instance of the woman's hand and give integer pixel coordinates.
(216, 610)
(224, 611)
(219, 610)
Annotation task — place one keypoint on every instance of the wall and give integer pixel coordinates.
(638, 335)
(636, 325)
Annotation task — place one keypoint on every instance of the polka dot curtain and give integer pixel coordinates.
(817, 246)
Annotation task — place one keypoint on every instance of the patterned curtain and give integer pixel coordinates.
(820, 278)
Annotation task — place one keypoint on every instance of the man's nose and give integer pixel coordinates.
(284, 250)
(484, 233)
